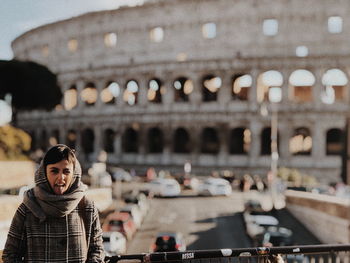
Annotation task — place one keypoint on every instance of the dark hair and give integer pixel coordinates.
(58, 153)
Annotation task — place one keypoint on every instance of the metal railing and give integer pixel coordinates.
(339, 253)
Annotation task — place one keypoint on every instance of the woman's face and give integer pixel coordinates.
(60, 176)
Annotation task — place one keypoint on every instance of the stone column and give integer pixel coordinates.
(223, 132)
(142, 143)
(196, 95)
(100, 85)
(224, 93)
(317, 88)
(254, 153)
(168, 97)
(285, 86)
(143, 90)
(252, 95)
(285, 132)
(80, 86)
(195, 135)
(98, 131)
(122, 86)
(318, 135)
(167, 142)
(118, 144)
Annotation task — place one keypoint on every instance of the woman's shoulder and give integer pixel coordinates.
(87, 204)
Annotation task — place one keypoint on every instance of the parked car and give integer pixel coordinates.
(215, 186)
(167, 242)
(138, 199)
(121, 222)
(256, 225)
(165, 187)
(277, 236)
(134, 212)
(114, 243)
(120, 174)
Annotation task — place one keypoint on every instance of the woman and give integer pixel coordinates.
(55, 222)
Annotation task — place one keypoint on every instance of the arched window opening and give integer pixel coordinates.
(71, 139)
(241, 83)
(155, 140)
(240, 140)
(335, 86)
(131, 92)
(43, 142)
(301, 142)
(181, 141)
(130, 141)
(71, 98)
(108, 141)
(300, 86)
(335, 142)
(89, 94)
(33, 142)
(87, 141)
(210, 87)
(54, 138)
(155, 90)
(110, 92)
(183, 88)
(210, 141)
(266, 81)
(265, 141)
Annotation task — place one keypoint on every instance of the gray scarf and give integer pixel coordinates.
(42, 201)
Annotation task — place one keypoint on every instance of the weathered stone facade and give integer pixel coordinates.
(208, 43)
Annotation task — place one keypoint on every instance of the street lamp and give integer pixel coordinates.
(275, 96)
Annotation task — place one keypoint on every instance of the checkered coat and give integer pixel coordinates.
(76, 237)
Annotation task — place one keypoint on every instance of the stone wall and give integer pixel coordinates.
(327, 217)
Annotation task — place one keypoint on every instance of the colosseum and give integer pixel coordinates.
(208, 82)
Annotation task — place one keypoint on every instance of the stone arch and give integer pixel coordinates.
(181, 141)
(334, 86)
(210, 87)
(335, 141)
(183, 88)
(241, 84)
(71, 139)
(301, 83)
(239, 142)
(301, 142)
(70, 99)
(87, 140)
(266, 81)
(155, 89)
(89, 94)
(110, 92)
(108, 140)
(130, 140)
(210, 141)
(131, 92)
(155, 140)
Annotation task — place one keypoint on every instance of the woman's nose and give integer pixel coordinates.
(61, 176)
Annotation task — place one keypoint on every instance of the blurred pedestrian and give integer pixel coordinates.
(55, 222)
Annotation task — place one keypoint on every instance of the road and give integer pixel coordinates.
(206, 222)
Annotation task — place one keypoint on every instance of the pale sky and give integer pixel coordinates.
(19, 16)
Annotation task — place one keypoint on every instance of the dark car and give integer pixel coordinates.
(277, 236)
(167, 242)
